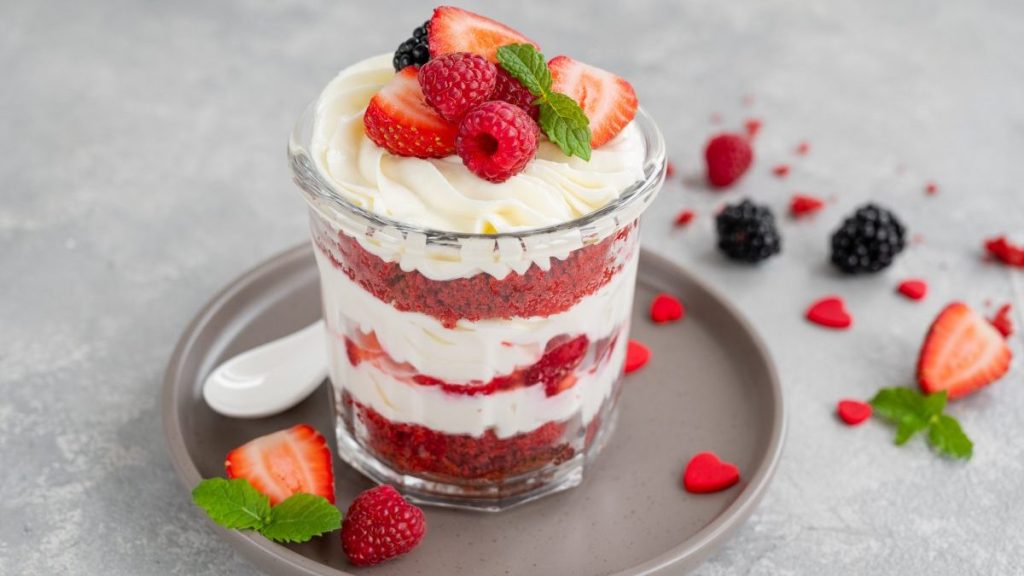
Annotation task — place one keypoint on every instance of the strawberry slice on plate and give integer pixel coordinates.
(285, 463)
(399, 120)
(961, 353)
(457, 30)
(608, 100)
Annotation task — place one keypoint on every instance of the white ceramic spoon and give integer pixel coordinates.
(270, 378)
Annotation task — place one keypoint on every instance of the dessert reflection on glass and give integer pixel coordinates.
(477, 245)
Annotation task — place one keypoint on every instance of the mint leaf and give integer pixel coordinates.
(935, 403)
(232, 503)
(300, 517)
(566, 125)
(946, 436)
(906, 408)
(524, 63)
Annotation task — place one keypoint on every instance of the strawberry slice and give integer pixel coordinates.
(961, 353)
(456, 30)
(399, 120)
(285, 463)
(608, 101)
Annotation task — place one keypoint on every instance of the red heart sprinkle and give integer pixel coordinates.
(781, 170)
(685, 217)
(666, 308)
(853, 412)
(802, 204)
(913, 289)
(706, 473)
(830, 312)
(1002, 321)
(636, 356)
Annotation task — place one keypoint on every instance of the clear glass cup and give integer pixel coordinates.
(475, 371)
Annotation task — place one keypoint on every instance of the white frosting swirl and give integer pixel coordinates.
(441, 194)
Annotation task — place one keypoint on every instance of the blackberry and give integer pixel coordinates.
(414, 51)
(746, 232)
(868, 241)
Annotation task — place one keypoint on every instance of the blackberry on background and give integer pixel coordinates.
(413, 51)
(868, 240)
(747, 232)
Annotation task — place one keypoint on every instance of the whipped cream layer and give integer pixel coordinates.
(507, 413)
(442, 194)
(471, 351)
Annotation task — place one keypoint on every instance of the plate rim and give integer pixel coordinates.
(255, 548)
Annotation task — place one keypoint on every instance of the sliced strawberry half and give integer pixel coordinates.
(399, 120)
(961, 353)
(285, 463)
(608, 100)
(456, 30)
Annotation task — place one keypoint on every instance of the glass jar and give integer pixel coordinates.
(475, 370)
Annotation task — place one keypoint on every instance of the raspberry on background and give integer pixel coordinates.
(728, 156)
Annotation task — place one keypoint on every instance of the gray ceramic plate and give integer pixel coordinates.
(710, 385)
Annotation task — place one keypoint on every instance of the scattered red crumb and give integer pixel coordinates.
(753, 126)
(748, 100)
(685, 217)
(830, 312)
(670, 170)
(782, 170)
(666, 308)
(913, 289)
(1005, 251)
(803, 204)
(706, 473)
(1002, 320)
(931, 188)
(716, 118)
(917, 239)
(636, 356)
(803, 148)
(853, 412)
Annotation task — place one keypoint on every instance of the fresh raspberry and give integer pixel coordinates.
(496, 140)
(728, 157)
(381, 525)
(454, 83)
(508, 89)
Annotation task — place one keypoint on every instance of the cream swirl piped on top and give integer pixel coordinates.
(441, 194)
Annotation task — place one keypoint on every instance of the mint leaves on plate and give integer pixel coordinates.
(235, 504)
(914, 412)
(561, 118)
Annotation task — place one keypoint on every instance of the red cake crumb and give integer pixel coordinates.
(782, 170)
(535, 293)
(803, 148)
(685, 217)
(716, 118)
(753, 126)
(1005, 251)
(803, 204)
(931, 189)
(1002, 320)
(670, 169)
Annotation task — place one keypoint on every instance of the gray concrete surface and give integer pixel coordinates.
(143, 167)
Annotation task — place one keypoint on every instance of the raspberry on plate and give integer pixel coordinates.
(454, 83)
(728, 157)
(399, 120)
(508, 89)
(381, 525)
(608, 101)
(496, 140)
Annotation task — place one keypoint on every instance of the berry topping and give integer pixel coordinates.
(496, 140)
(961, 353)
(853, 412)
(867, 241)
(685, 217)
(782, 170)
(508, 89)
(608, 101)
(801, 205)
(913, 289)
(1005, 251)
(414, 51)
(457, 30)
(666, 308)
(728, 157)
(830, 312)
(707, 473)
(285, 463)
(637, 355)
(1002, 321)
(454, 83)
(747, 233)
(381, 525)
(399, 120)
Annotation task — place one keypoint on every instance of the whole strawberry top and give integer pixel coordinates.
(467, 127)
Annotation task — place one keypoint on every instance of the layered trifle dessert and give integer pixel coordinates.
(474, 212)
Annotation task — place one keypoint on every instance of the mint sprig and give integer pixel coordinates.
(235, 504)
(914, 412)
(561, 118)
